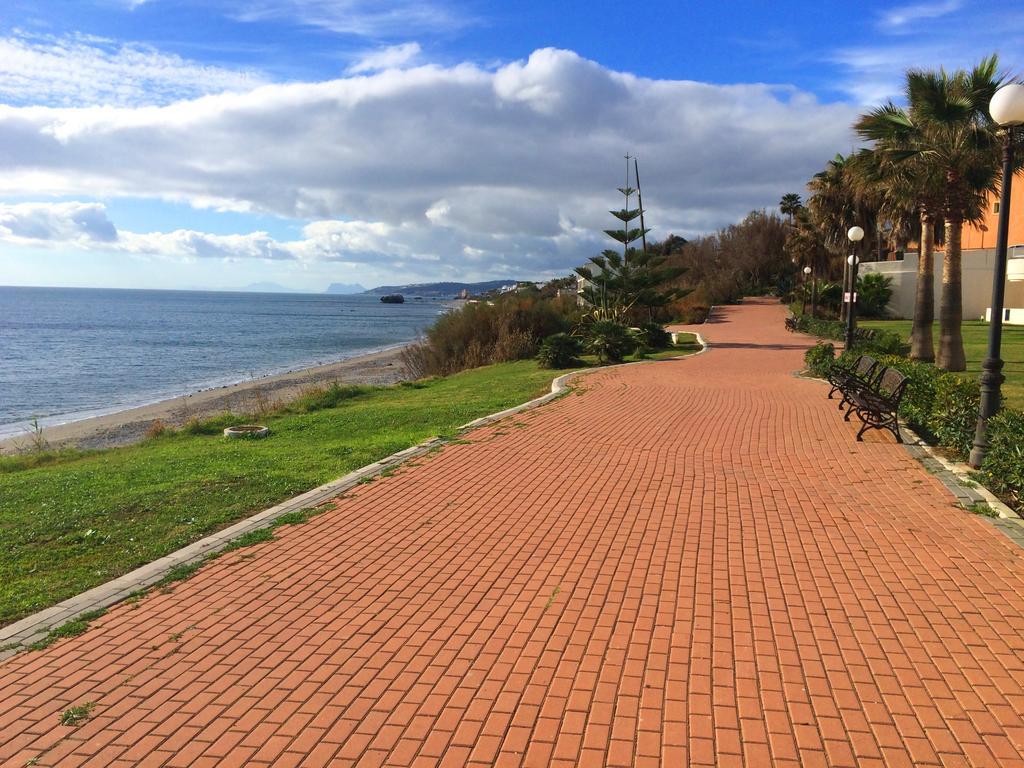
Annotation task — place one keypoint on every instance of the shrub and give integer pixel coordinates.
(512, 344)
(874, 341)
(509, 328)
(955, 413)
(610, 341)
(873, 293)
(560, 350)
(321, 398)
(825, 329)
(1004, 463)
(418, 359)
(214, 425)
(157, 428)
(692, 308)
(653, 336)
(879, 342)
(820, 358)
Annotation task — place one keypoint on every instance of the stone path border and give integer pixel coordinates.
(22, 633)
(956, 476)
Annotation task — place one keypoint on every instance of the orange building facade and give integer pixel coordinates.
(978, 264)
(983, 235)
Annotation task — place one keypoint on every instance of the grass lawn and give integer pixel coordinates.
(975, 346)
(71, 522)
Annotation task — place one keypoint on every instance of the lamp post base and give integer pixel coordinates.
(991, 381)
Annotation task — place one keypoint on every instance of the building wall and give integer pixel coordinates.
(977, 268)
(983, 235)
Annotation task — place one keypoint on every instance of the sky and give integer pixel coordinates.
(219, 143)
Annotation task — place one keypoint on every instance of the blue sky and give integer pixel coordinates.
(217, 143)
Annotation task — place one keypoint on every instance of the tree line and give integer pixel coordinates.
(930, 167)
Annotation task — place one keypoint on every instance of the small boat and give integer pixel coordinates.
(393, 298)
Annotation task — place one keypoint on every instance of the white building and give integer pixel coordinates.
(977, 265)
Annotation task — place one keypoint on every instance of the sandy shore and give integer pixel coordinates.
(130, 426)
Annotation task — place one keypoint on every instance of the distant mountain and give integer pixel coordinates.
(439, 290)
(267, 288)
(345, 288)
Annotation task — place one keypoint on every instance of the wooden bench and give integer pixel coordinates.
(878, 405)
(845, 380)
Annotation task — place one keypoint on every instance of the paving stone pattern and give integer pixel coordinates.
(686, 563)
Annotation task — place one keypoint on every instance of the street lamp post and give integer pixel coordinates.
(854, 235)
(814, 293)
(1007, 109)
(807, 276)
(846, 281)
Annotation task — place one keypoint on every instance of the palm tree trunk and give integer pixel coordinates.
(922, 346)
(951, 341)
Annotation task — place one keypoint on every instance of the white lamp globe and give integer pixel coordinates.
(1007, 105)
(852, 259)
(807, 270)
(855, 234)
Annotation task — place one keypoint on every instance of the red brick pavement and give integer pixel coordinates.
(685, 563)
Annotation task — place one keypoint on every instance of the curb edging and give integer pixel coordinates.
(17, 636)
(955, 476)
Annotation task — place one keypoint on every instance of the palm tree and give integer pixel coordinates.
(806, 247)
(950, 138)
(836, 204)
(790, 205)
(908, 194)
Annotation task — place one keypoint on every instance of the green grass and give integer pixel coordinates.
(975, 334)
(73, 628)
(76, 715)
(73, 520)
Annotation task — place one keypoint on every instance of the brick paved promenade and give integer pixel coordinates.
(688, 563)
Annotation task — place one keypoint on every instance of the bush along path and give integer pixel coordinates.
(683, 563)
(941, 407)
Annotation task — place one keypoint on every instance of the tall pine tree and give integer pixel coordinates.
(619, 283)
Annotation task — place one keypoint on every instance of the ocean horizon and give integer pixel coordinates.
(74, 353)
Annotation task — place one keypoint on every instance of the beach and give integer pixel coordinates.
(131, 425)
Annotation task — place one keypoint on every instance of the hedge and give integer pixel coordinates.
(878, 340)
(943, 408)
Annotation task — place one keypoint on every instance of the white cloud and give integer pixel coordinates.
(82, 70)
(902, 16)
(873, 71)
(86, 226)
(411, 248)
(392, 57)
(452, 167)
(76, 223)
(365, 18)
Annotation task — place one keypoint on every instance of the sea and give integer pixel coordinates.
(72, 353)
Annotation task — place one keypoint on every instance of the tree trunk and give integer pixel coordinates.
(922, 347)
(951, 341)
